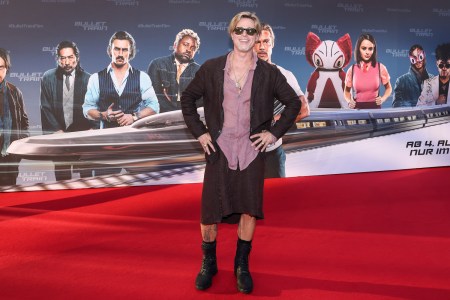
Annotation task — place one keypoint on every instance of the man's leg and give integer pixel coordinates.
(246, 230)
(275, 164)
(209, 261)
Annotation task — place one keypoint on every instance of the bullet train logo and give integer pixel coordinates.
(326, 84)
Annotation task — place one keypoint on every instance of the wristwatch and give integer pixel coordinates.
(135, 117)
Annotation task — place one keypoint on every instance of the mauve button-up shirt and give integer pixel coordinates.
(234, 140)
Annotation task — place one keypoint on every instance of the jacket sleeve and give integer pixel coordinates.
(48, 119)
(286, 95)
(152, 71)
(24, 122)
(193, 92)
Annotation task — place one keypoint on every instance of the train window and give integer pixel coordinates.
(380, 121)
(402, 119)
(302, 125)
(387, 120)
(351, 122)
(362, 122)
(411, 118)
(395, 119)
(320, 124)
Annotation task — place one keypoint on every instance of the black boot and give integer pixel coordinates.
(241, 270)
(209, 266)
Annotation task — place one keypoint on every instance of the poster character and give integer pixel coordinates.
(326, 84)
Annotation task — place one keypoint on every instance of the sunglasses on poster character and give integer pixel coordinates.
(442, 65)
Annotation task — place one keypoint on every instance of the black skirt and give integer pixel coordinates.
(229, 193)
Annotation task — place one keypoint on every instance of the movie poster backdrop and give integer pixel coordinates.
(31, 29)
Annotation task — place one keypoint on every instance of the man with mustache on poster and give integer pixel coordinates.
(120, 94)
(62, 96)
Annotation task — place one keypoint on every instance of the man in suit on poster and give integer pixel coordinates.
(120, 94)
(62, 96)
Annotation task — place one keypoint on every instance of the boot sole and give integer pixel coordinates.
(202, 288)
(244, 291)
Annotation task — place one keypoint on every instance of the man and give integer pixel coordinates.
(408, 87)
(238, 91)
(120, 94)
(275, 155)
(435, 90)
(171, 74)
(62, 96)
(13, 122)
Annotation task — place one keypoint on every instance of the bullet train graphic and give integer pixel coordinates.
(163, 140)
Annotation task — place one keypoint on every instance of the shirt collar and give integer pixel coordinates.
(109, 68)
(252, 67)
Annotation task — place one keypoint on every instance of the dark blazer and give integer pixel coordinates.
(52, 113)
(268, 83)
(19, 116)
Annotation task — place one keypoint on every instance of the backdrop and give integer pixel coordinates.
(31, 29)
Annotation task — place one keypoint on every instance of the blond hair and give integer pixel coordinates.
(242, 15)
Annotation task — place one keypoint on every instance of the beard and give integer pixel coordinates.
(183, 58)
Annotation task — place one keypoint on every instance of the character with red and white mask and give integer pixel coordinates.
(326, 84)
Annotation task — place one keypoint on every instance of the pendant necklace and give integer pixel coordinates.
(237, 82)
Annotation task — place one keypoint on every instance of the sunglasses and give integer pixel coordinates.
(442, 65)
(240, 30)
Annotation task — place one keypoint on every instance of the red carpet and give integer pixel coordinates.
(369, 236)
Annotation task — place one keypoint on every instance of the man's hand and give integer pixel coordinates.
(206, 142)
(264, 139)
(113, 115)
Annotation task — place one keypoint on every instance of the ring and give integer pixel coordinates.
(204, 145)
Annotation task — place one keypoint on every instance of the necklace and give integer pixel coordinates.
(237, 82)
